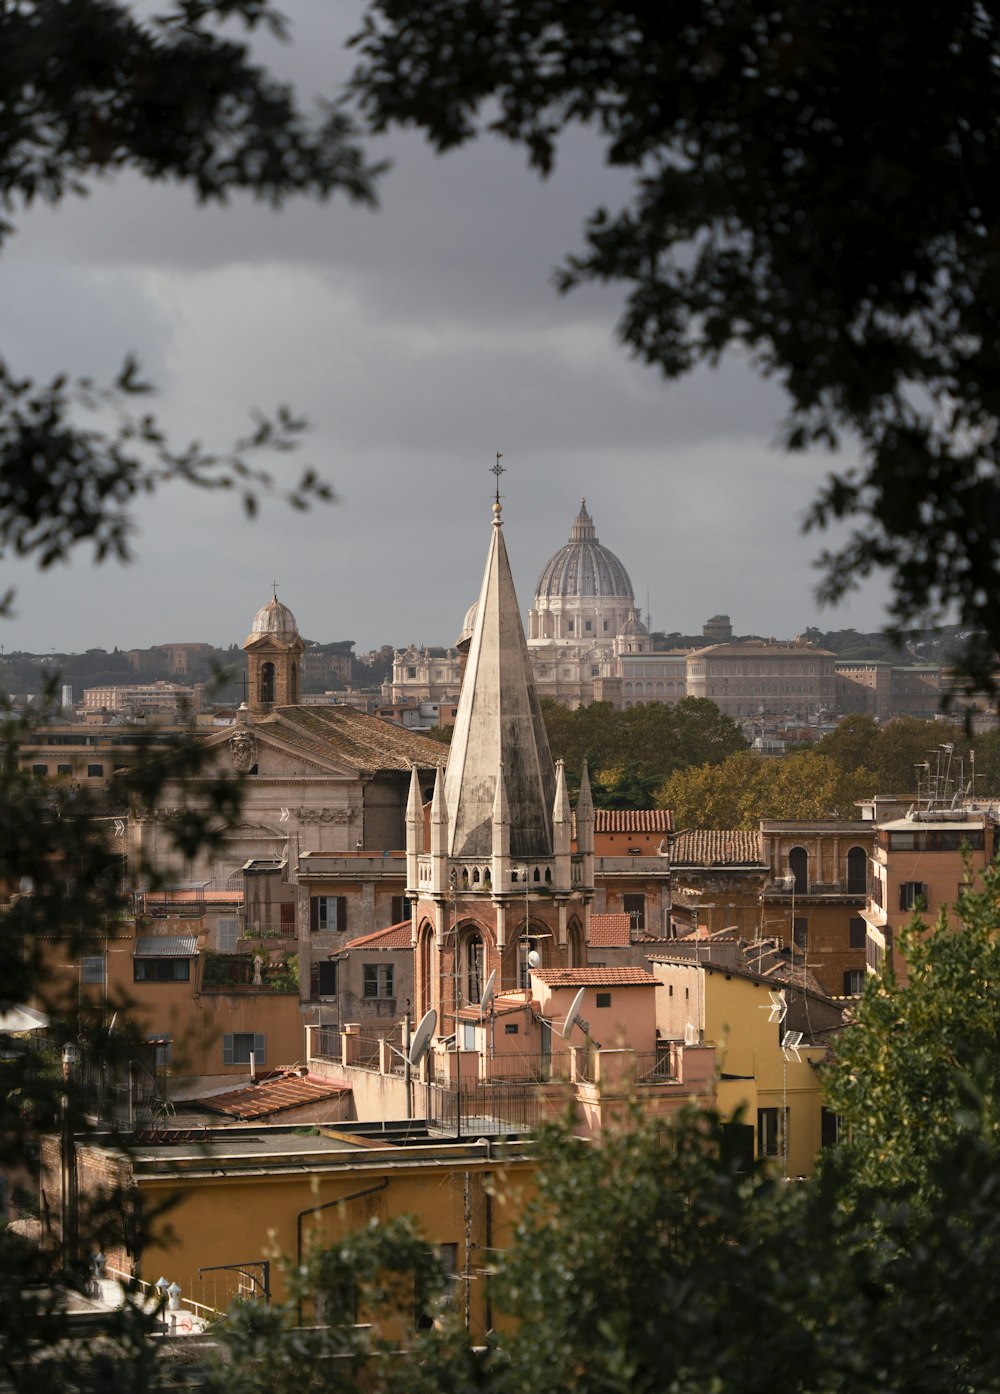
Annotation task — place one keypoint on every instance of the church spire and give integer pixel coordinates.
(499, 721)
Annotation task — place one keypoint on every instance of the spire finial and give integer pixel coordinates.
(274, 589)
(498, 470)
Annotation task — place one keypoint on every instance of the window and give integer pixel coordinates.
(588, 626)
(161, 970)
(772, 1129)
(857, 871)
(603, 999)
(854, 982)
(267, 682)
(328, 913)
(227, 936)
(164, 1050)
(95, 771)
(912, 895)
(401, 909)
(468, 1035)
(327, 979)
(635, 906)
(92, 969)
(800, 932)
(238, 1047)
(474, 966)
(856, 932)
(39, 769)
(377, 979)
(64, 769)
(798, 865)
(510, 1028)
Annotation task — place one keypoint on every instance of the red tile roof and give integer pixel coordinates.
(397, 936)
(633, 820)
(272, 1096)
(610, 931)
(715, 847)
(595, 977)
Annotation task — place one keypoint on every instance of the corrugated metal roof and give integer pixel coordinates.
(165, 946)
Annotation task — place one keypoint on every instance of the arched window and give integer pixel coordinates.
(474, 958)
(798, 865)
(425, 945)
(267, 682)
(574, 944)
(293, 691)
(857, 871)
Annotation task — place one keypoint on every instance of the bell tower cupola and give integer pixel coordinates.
(274, 650)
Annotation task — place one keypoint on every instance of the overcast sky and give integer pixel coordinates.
(418, 340)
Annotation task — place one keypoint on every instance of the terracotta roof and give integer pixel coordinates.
(397, 936)
(633, 820)
(192, 897)
(715, 847)
(610, 931)
(365, 742)
(272, 1096)
(595, 977)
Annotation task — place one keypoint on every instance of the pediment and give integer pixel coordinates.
(241, 748)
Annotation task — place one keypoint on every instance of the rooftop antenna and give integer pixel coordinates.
(487, 1002)
(573, 1018)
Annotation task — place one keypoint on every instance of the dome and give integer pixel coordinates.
(276, 620)
(633, 628)
(583, 567)
(469, 623)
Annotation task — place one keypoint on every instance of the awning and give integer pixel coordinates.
(165, 946)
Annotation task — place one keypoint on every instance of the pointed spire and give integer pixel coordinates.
(500, 871)
(585, 815)
(499, 721)
(414, 832)
(439, 836)
(562, 831)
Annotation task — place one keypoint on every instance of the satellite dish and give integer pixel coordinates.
(422, 1038)
(572, 1014)
(534, 959)
(487, 997)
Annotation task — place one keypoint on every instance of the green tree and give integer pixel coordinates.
(796, 198)
(916, 1054)
(748, 787)
(853, 743)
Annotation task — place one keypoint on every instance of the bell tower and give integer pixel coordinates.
(274, 650)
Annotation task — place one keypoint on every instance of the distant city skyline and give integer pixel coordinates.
(418, 341)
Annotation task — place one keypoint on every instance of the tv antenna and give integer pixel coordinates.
(573, 1018)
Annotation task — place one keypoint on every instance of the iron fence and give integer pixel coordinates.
(487, 1107)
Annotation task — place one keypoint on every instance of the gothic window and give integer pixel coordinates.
(474, 956)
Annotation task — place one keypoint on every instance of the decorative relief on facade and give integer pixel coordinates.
(325, 815)
(243, 750)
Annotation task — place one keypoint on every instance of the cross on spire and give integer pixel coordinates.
(498, 470)
(274, 589)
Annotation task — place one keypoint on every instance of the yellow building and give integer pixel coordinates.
(766, 1053)
(234, 1198)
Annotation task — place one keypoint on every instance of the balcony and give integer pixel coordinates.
(261, 931)
(238, 974)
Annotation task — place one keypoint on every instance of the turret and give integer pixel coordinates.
(414, 834)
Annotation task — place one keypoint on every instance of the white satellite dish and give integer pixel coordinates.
(488, 990)
(573, 1018)
(534, 959)
(422, 1038)
(572, 1014)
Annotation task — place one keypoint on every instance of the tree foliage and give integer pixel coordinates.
(629, 753)
(748, 787)
(816, 194)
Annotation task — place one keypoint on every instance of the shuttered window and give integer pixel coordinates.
(237, 1048)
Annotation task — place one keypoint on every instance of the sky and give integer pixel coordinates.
(418, 340)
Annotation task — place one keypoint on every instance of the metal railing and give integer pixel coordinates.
(482, 1107)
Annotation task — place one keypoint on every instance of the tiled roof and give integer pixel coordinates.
(715, 847)
(397, 936)
(610, 931)
(633, 820)
(595, 977)
(165, 946)
(272, 1096)
(367, 743)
